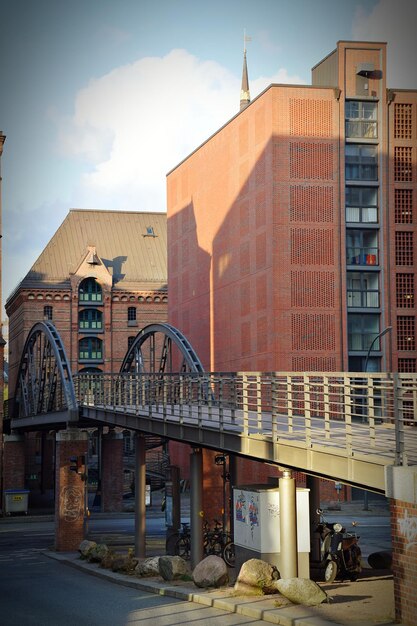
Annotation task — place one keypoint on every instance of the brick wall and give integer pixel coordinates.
(14, 462)
(112, 471)
(404, 559)
(70, 505)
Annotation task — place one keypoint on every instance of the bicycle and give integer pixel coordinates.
(219, 542)
(183, 544)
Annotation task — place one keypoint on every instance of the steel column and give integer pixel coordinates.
(196, 505)
(288, 525)
(140, 496)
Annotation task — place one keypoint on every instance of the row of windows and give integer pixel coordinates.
(91, 348)
(90, 319)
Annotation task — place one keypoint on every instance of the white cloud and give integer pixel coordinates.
(139, 121)
(393, 21)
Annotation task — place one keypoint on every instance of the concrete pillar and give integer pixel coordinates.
(288, 525)
(14, 462)
(313, 484)
(140, 497)
(70, 490)
(401, 488)
(112, 472)
(196, 506)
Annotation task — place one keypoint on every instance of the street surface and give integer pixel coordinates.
(38, 591)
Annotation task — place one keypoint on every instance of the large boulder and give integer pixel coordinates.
(211, 572)
(98, 553)
(124, 564)
(172, 567)
(148, 567)
(380, 560)
(256, 576)
(301, 591)
(86, 547)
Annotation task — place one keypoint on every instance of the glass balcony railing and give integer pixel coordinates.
(362, 256)
(362, 215)
(367, 299)
(362, 128)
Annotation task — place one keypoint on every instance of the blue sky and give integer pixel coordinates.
(101, 98)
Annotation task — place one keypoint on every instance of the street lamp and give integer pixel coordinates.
(381, 334)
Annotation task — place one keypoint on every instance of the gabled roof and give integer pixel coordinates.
(132, 246)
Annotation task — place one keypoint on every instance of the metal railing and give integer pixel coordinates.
(354, 413)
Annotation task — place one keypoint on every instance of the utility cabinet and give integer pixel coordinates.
(256, 526)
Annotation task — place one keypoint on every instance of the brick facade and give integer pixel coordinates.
(112, 471)
(70, 506)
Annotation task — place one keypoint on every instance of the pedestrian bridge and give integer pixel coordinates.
(342, 426)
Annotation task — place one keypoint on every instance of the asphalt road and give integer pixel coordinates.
(38, 591)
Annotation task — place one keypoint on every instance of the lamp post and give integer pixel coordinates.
(381, 334)
(378, 336)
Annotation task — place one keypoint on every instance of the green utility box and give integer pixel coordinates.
(16, 501)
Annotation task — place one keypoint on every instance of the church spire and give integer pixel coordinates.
(244, 90)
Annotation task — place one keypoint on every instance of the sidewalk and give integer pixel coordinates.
(367, 601)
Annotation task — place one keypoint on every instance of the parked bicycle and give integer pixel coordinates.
(215, 541)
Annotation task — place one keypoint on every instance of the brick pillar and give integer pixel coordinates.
(402, 491)
(14, 462)
(112, 471)
(70, 490)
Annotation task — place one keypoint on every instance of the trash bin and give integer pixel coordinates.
(16, 501)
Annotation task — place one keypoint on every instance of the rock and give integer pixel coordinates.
(380, 560)
(148, 567)
(124, 564)
(172, 567)
(107, 560)
(301, 591)
(242, 589)
(258, 574)
(86, 546)
(98, 553)
(211, 572)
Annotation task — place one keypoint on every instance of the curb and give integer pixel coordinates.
(260, 608)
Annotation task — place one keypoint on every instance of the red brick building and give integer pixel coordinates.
(292, 229)
(101, 278)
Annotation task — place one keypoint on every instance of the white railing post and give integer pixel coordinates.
(245, 405)
(348, 413)
(307, 410)
(400, 458)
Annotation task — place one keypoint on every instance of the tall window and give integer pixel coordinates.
(90, 348)
(361, 119)
(361, 161)
(47, 312)
(362, 289)
(90, 319)
(90, 291)
(362, 330)
(361, 204)
(131, 316)
(361, 247)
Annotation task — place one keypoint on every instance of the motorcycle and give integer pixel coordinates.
(340, 552)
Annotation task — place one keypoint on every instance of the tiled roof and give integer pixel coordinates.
(132, 245)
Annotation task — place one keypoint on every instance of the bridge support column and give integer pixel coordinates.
(401, 488)
(196, 505)
(140, 497)
(288, 525)
(112, 471)
(313, 484)
(14, 462)
(70, 501)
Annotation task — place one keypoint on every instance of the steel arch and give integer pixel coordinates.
(44, 382)
(134, 361)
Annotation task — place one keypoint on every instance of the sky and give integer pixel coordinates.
(100, 99)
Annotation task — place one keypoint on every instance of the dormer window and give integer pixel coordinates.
(150, 232)
(90, 291)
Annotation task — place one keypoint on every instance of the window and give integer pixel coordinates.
(361, 119)
(403, 121)
(405, 290)
(361, 162)
(131, 316)
(407, 366)
(362, 289)
(90, 348)
(47, 312)
(362, 330)
(90, 319)
(403, 206)
(362, 247)
(406, 332)
(403, 164)
(404, 248)
(90, 291)
(361, 204)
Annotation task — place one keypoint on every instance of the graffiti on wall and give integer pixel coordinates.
(408, 528)
(72, 503)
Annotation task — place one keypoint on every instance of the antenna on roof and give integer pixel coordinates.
(244, 90)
